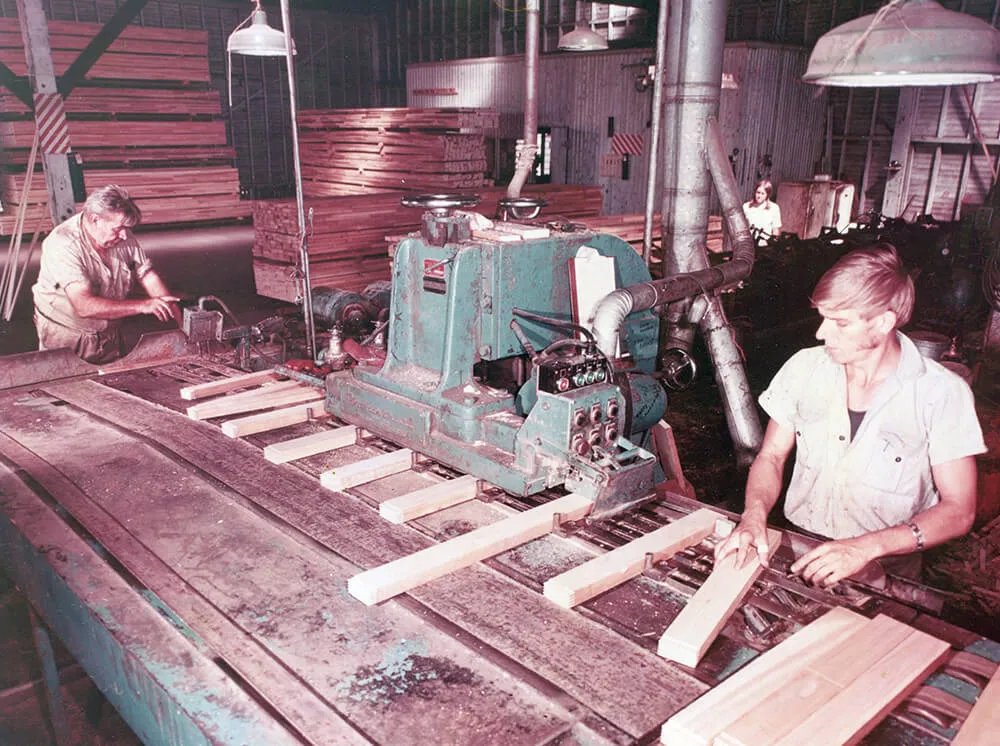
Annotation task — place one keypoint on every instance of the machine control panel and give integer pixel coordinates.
(561, 374)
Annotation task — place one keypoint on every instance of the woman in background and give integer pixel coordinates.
(763, 214)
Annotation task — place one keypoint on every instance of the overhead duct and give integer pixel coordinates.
(527, 147)
(694, 158)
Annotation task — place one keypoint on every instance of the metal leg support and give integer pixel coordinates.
(50, 675)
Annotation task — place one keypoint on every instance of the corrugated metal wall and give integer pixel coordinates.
(578, 93)
(334, 68)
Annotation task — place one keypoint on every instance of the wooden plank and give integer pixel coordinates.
(368, 470)
(429, 500)
(408, 572)
(278, 418)
(309, 445)
(223, 385)
(983, 723)
(260, 399)
(816, 684)
(700, 722)
(601, 573)
(858, 708)
(250, 394)
(707, 611)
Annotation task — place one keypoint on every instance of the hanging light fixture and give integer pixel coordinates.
(260, 40)
(907, 43)
(582, 38)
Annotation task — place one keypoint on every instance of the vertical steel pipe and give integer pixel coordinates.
(307, 309)
(528, 147)
(654, 144)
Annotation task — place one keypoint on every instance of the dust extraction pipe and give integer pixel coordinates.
(694, 83)
(528, 146)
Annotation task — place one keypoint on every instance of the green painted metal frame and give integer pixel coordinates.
(155, 677)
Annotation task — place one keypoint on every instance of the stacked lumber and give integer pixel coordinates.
(630, 228)
(347, 246)
(145, 117)
(827, 685)
(366, 151)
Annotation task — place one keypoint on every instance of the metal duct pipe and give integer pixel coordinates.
(741, 415)
(614, 307)
(528, 146)
(654, 143)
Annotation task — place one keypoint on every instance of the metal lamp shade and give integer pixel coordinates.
(258, 39)
(582, 40)
(917, 43)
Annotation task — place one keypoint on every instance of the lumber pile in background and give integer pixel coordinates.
(348, 243)
(145, 117)
(629, 228)
(366, 151)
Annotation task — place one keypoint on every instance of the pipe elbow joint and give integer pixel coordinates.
(609, 315)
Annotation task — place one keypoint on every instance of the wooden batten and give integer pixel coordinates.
(608, 570)
(399, 576)
(275, 419)
(225, 385)
(429, 499)
(310, 445)
(368, 470)
(266, 397)
(707, 611)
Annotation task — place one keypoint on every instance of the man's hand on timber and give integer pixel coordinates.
(161, 307)
(833, 561)
(750, 536)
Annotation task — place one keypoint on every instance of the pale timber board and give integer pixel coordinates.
(242, 396)
(982, 726)
(311, 716)
(608, 570)
(211, 388)
(309, 445)
(696, 627)
(700, 722)
(429, 499)
(401, 575)
(351, 475)
(277, 418)
(266, 400)
(858, 708)
(813, 687)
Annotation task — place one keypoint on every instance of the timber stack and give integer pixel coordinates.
(149, 121)
(367, 151)
(348, 235)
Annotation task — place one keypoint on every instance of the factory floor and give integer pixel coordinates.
(967, 569)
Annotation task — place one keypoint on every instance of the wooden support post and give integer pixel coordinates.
(309, 445)
(264, 421)
(983, 723)
(700, 722)
(360, 472)
(429, 500)
(408, 572)
(223, 385)
(266, 397)
(601, 573)
(700, 621)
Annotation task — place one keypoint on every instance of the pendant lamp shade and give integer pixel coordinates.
(258, 39)
(907, 43)
(582, 39)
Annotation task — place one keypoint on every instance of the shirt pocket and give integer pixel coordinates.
(895, 463)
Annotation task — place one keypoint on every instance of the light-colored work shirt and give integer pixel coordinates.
(68, 257)
(766, 218)
(922, 415)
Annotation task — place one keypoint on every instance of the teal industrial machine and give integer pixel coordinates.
(485, 371)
